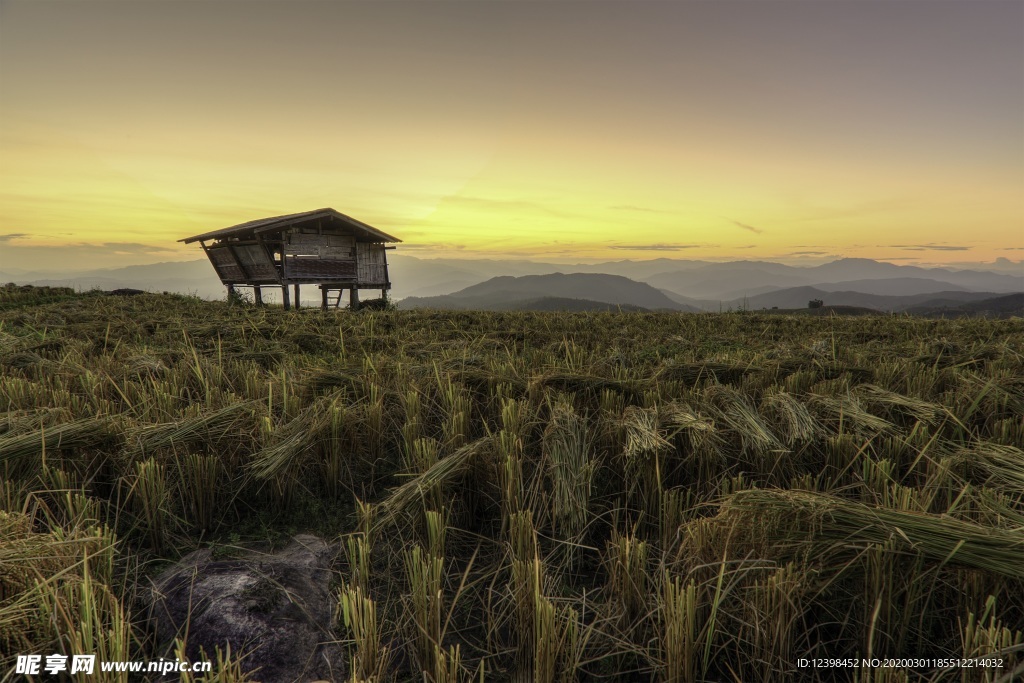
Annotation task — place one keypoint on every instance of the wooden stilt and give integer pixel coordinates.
(323, 297)
(257, 294)
(353, 299)
(296, 296)
(284, 297)
(231, 292)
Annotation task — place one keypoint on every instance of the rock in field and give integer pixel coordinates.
(274, 609)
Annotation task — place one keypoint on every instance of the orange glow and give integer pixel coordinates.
(134, 145)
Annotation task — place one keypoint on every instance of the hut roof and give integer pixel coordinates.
(277, 222)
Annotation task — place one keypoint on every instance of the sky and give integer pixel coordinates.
(784, 130)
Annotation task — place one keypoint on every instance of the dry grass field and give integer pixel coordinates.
(525, 496)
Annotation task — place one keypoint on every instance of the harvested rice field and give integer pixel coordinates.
(524, 496)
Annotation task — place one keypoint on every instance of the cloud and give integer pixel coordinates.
(806, 253)
(929, 247)
(503, 204)
(12, 236)
(656, 247)
(432, 247)
(132, 247)
(74, 256)
(87, 247)
(826, 213)
(751, 228)
(629, 207)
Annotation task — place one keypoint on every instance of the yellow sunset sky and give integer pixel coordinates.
(567, 131)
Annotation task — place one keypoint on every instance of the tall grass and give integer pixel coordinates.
(525, 496)
(571, 469)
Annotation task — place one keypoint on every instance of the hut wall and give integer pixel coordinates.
(255, 262)
(224, 263)
(312, 256)
(372, 264)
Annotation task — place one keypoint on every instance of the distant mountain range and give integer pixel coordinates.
(592, 291)
(554, 303)
(729, 281)
(507, 292)
(183, 277)
(799, 297)
(718, 282)
(657, 284)
(1000, 306)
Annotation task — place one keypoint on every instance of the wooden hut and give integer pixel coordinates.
(324, 248)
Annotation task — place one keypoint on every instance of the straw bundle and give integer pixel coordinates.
(206, 428)
(802, 517)
(290, 446)
(79, 434)
(407, 496)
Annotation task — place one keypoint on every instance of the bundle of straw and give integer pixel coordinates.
(326, 379)
(205, 428)
(582, 383)
(691, 373)
(16, 421)
(290, 446)
(919, 409)
(846, 409)
(794, 422)
(678, 417)
(407, 496)
(643, 437)
(732, 409)
(79, 434)
(1002, 466)
(803, 517)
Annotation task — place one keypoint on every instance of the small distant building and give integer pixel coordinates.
(324, 248)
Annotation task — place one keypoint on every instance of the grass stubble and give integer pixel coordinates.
(525, 496)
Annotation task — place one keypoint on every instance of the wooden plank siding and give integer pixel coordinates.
(311, 256)
(316, 269)
(228, 269)
(372, 263)
(255, 262)
(245, 263)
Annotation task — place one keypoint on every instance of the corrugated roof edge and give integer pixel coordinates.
(263, 224)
